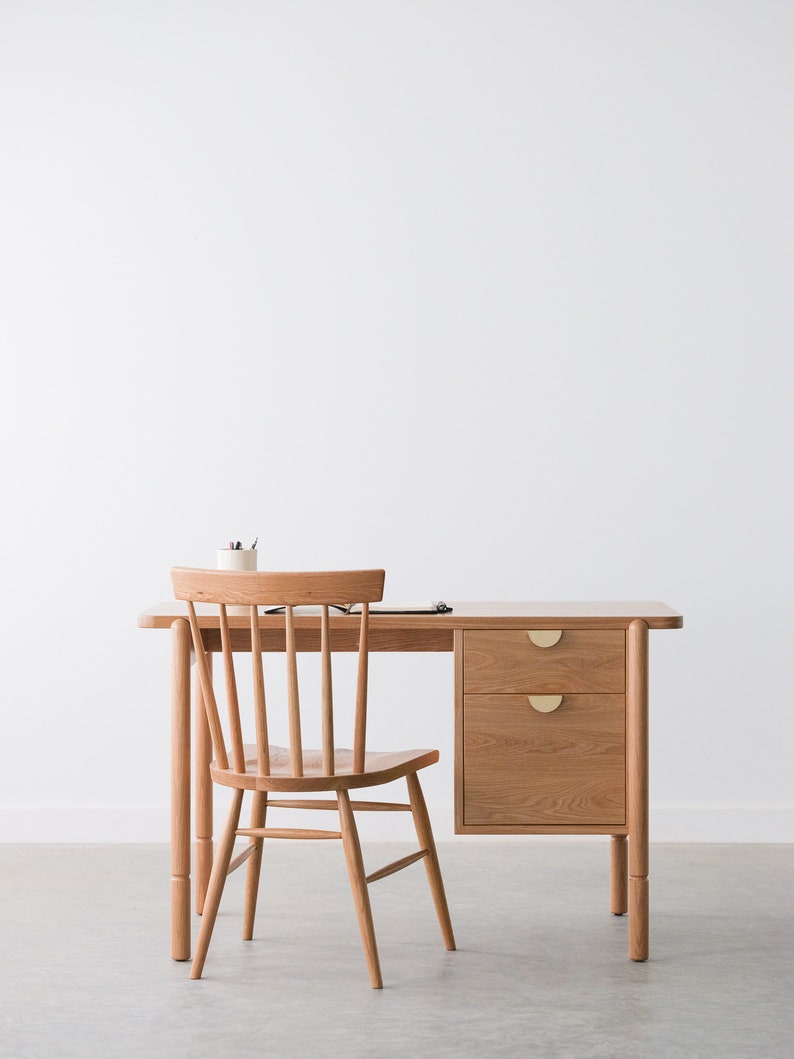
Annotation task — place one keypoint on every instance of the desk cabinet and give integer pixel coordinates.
(542, 731)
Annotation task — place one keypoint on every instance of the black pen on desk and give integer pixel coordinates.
(256, 541)
(238, 546)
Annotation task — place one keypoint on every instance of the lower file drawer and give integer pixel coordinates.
(522, 767)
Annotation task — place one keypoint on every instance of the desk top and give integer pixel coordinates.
(471, 615)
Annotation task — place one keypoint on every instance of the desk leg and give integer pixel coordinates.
(637, 688)
(180, 790)
(618, 896)
(203, 795)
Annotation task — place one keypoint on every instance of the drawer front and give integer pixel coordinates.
(506, 660)
(525, 767)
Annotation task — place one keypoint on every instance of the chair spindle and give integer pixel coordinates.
(260, 703)
(232, 701)
(327, 695)
(360, 732)
(207, 690)
(293, 698)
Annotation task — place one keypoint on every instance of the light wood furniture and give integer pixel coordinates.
(581, 768)
(265, 769)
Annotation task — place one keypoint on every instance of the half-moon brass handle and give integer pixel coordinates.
(544, 637)
(544, 703)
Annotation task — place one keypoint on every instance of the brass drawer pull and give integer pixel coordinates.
(544, 703)
(544, 637)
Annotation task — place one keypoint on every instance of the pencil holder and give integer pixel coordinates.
(237, 558)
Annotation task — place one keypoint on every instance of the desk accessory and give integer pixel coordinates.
(235, 557)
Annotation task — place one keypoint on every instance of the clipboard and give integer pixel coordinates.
(430, 607)
(434, 607)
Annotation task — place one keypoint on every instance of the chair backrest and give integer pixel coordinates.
(253, 590)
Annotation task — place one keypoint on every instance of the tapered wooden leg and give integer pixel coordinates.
(180, 790)
(220, 868)
(358, 882)
(203, 795)
(639, 918)
(637, 711)
(424, 833)
(619, 864)
(258, 816)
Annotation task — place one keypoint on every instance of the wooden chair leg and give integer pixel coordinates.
(220, 868)
(425, 835)
(619, 872)
(258, 816)
(358, 883)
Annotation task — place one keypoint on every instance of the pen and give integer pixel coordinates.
(238, 546)
(256, 540)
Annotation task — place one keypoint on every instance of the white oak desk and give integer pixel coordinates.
(551, 732)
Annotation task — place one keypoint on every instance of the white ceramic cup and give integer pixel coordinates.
(237, 558)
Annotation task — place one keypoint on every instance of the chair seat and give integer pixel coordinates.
(379, 767)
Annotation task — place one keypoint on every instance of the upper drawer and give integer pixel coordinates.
(506, 660)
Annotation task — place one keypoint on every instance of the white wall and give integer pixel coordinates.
(494, 294)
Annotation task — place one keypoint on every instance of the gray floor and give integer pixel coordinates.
(541, 968)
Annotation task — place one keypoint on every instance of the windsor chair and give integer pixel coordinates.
(268, 770)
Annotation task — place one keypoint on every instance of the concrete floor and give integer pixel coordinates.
(541, 968)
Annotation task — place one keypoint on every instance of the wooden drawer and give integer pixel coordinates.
(525, 768)
(506, 660)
